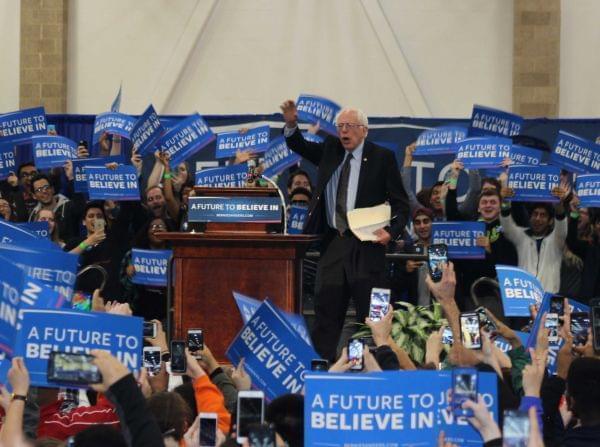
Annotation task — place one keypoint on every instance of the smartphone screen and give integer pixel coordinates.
(437, 256)
(99, 224)
(447, 337)
(580, 325)
(149, 329)
(464, 387)
(486, 322)
(470, 330)
(178, 360)
(151, 359)
(380, 302)
(72, 368)
(557, 305)
(319, 365)
(208, 429)
(552, 325)
(596, 327)
(261, 436)
(195, 340)
(355, 353)
(250, 412)
(515, 429)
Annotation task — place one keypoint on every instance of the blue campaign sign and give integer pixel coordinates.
(11, 288)
(40, 229)
(146, 131)
(8, 162)
(112, 184)
(488, 121)
(460, 237)
(312, 137)
(316, 109)
(254, 140)
(20, 126)
(575, 154)
(52, 151)
(523, 155)
(533, 183)
(112, 123)
(247, 306)
(297, 219)
(185, 139)
(505, 345)
(588, 190)
(46, 330)
(519, 289)
(11, 233)
(441, 140)
(233, 176)
(234, 209)
(79, 165)
(150, 266)
(276, 356)
(483, 152)
(393, 408)
(279, 157)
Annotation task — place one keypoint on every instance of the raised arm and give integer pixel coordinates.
(406, 174)
(293, 137)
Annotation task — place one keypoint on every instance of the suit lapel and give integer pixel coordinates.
(364, 167)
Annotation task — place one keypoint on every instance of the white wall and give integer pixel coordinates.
(10, 13)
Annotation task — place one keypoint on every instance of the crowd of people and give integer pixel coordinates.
(558, 244)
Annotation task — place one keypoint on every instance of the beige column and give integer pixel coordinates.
(43, 67)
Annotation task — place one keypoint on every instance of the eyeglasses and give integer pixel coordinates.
(157, 227)
(42, 188)
(348, 126)
(29, 174)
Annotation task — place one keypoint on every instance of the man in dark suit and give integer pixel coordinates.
(353, 173)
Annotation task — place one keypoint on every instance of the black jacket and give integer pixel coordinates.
(589, 252)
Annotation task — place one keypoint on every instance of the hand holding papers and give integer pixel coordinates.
(365, 221)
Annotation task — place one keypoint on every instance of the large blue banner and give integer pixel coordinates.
(40, 229)
(533, 183)
(227, 177)
(112, 184)
(150, 266)
(146, 131)
(399, 408)
(46, 330)
(484, 152)
(20, 126)
(575, 154)
(488, 121)
(254, 140)
(11, 233)
(234, 209)
(588, 190)
(296, 219)
(79, 165)
(8, 162)
(52, 151)
(316, 109)
(440, 140)
(279, 157)
(276, 356)
(11, 287)
(185, 139)
(523, 155)
(112, 123)
(519, 289)
(460, 237)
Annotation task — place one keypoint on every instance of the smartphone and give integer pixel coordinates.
(150, 329)
(356, 349)
(470, 330)
(151, 359)
(380, 303)
(447, 337)
(250, 411)
(580, 325)
(515, 429)
(83, 143)
(464, 387)
(437, 256)
(486, 322)
(208, 429)
(195, 340)
(595, 310)
(66, 367)
(557, 305)
(552, 325)
(178, 359)
(319, 365)
(261, 436)
(99, 225)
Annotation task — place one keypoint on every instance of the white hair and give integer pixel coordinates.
(362, 117)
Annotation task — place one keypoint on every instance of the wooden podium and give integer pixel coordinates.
(228, 257)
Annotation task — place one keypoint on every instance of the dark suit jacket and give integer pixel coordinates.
(379, 181)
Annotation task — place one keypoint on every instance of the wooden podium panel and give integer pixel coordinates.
(209, 266)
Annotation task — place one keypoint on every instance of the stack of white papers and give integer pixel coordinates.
(365, 221)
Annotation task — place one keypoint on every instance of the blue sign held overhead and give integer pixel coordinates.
(79, 165)
(588, 190)
(523, 155)
(440, 140)
(8, 162)
(234, 209)
(150, 266)
(533, 183)
(316, 109)
(519, 289)
(112, 184)
(112, 123)
(460, 237)
(297, 219)
(52, 151)
(185, 139)
(279, 157)
(254, 140)
(312, 137)
(20, 126)
(575, 154)
(146, 131)
(233, 176)
(488, 121)
(483, 152)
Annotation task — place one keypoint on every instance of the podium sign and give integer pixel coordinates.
(234, 209)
